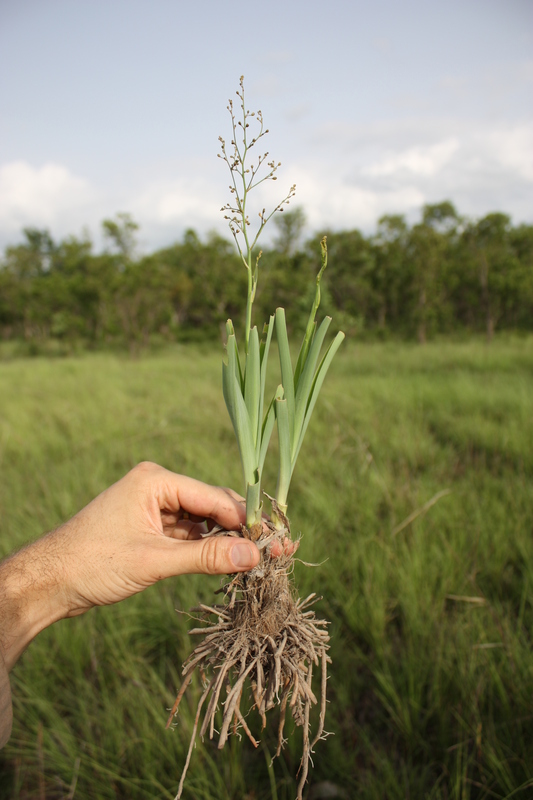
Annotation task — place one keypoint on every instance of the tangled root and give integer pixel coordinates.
(260, 636)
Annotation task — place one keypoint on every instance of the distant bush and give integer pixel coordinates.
(442, 275)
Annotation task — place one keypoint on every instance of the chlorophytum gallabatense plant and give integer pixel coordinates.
(262, 635)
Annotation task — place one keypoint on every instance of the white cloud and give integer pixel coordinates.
(180, 201)
(512, 148)
(48, 196)
(332, 200)
(480, 168)
(372, 170)
(166, 207)
(417, 160)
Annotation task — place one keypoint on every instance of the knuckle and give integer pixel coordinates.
(143, 471)
(141, 474)
(145, 466)
(211, 559)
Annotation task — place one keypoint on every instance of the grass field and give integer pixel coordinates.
(414, 488)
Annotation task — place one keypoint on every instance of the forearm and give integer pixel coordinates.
(129, 537)
(6, 710)
(31, 596)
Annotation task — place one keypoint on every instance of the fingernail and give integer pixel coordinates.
(242, 556)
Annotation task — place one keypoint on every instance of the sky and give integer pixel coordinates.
(374, 108)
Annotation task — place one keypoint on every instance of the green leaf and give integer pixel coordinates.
(284, 436)
(252, 384)
(239, 416)
(231, 344)
(254, 506)
(311, 324)
(304, 349)
(287, 379)
(317, 385)
(305, 383)
(263, 352)
(268, 426)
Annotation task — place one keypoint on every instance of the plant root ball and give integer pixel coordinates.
(262, 638)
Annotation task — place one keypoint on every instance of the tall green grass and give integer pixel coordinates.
(417, 503)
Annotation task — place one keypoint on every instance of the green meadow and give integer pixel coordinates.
(413, 495)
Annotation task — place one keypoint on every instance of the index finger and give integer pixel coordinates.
(179, 491)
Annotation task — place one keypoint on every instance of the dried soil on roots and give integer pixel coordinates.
(262, 642)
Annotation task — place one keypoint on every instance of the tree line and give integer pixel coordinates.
(441, 275)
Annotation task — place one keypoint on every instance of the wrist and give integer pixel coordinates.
(31, 598)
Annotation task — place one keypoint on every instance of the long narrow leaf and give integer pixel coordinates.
(229, 393)
(284, 474)
(232, 345)
(317, 385)
(287, 379)
(263, 343)
(304, 349)
(244, 437)
(305, 383)
(241, 421)
(268, 427)
(252, 384)
(264, 350)
(254, 505)
(311, 324)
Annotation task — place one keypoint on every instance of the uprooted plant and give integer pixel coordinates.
(261, 635)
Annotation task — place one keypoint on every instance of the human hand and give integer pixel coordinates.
(129, 537)
(135, 534)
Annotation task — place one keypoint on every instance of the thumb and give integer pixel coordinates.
(219, 555)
